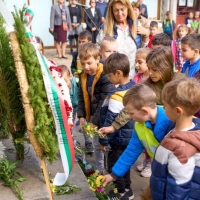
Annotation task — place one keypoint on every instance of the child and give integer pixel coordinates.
(73, 88)
(190, 46)
(168, 25)
(189, 19)
(94, 86)
(181, 32)
(141, 65)
(149, 128)
(40, 44)
(195, 22)
(117, 67)
(176, 167)
(153, 31)
(108, 46)
(161, 39)
(84, 36)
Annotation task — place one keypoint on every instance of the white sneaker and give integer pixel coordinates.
(146, 172)
(140, 167)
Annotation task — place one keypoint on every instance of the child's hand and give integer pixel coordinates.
(107, 130)
(81, 120)
(103, 148)
(107, 179)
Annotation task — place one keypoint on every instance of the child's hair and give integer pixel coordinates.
(162, 39)
(85, 35)
(161, 59)
(39, 41)
(87, 50)
(117, 61)
(153, 24)
(192, 40)
(140, 95)
(136, 4)
(64, 69)
(143, 52)
(168, 13)
(184, 26)
(183, 92)
(106, 40)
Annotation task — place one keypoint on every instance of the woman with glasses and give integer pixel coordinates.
(93, 20)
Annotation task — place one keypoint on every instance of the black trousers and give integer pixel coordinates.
(125, 181)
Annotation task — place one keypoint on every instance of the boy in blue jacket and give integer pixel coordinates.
(149, 128)
(117, 68)
(176, 166)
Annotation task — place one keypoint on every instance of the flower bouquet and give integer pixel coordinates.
(92, 131)
(96, 185)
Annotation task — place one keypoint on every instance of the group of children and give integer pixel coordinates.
(131, 113)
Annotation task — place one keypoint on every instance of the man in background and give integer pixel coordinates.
(143, 9)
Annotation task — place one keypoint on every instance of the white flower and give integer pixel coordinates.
(2, 148)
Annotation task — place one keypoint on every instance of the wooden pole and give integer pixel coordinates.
(28, 109)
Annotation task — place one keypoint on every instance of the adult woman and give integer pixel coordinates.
(76, 18)
(142, 26)
(59, 24)
(120, 24)
(93, 20)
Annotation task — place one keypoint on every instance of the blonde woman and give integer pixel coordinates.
(120, 24)
(60, 23)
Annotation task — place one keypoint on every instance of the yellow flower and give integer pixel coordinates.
(79, 71)
(88, 128)
(98, 180)
(91, 188)
(115, 191)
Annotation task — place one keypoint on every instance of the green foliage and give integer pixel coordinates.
(11, 177)
(11, 111)
(44, 125)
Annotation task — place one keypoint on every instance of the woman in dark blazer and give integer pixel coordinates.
(76, 18)
(60, 23)
(93, 20)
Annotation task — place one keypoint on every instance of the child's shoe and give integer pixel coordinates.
(146, 172)
(141, 166)
(117, 196)
(130, 194)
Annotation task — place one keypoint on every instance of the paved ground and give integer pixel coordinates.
(138, 183)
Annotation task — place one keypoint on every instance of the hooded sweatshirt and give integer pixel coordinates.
(176, 166)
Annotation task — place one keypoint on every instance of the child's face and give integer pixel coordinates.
(169, 16)
(170, 112)
(136, 115)
(191, 15)
(187, 52)
(182, 32)
(153, 30)
(140, 64)
(154, 75)
(196, 16)
(113, 78)
(108, 49)
(82, 40)
(67, 79)
(89, 65)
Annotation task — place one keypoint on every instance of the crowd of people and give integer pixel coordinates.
(138, 87)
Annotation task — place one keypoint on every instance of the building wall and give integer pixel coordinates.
(41, 20)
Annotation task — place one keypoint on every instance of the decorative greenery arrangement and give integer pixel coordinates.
(11, 177)
(92, 131)
(12, 118)
(44, 125)
(67, 188)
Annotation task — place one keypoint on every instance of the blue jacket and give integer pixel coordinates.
(135, 147)
(191, 69)
(176, 166)
(110, 109)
